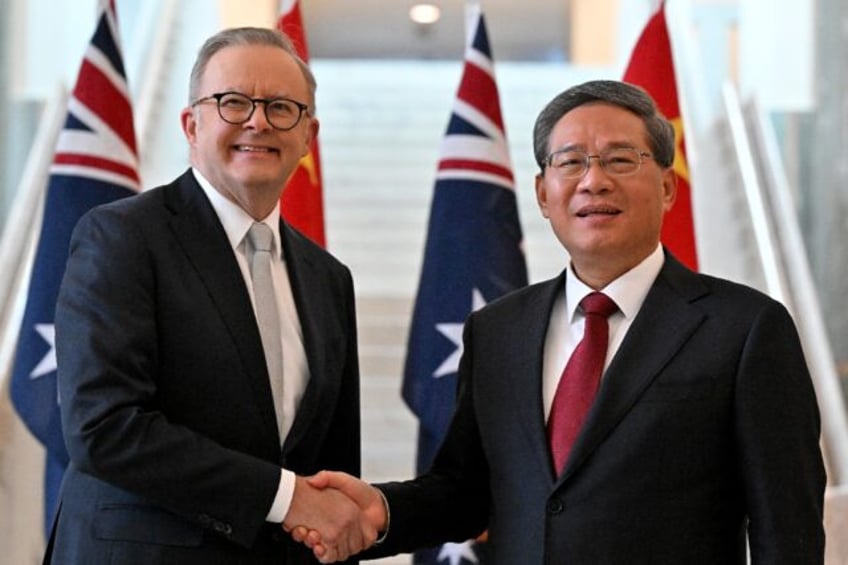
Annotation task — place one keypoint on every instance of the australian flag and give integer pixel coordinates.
(473, 255)
(96, 161)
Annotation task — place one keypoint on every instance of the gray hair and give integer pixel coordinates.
(246, 36)
(621, 94)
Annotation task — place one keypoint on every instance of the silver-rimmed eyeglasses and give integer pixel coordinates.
(237, 108)
(618, 161)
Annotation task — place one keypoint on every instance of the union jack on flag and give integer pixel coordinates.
(95, 162)
(473, 255)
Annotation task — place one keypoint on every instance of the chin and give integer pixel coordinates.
(260, 179)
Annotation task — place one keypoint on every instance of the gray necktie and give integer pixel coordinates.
(259, 256)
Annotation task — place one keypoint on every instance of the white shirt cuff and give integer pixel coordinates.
(382, 537)
(282, 501)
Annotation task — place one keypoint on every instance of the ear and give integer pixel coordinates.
(542, 195)
(188, 121)
(311, 132)
(669, 184)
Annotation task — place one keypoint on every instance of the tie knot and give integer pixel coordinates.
(260, 236)
(598, 303)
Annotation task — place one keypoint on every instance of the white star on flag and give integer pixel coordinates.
(48, 363)
(453, 331)
(456, 552)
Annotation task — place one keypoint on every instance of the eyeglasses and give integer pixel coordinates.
(619, 161)
(236, 108)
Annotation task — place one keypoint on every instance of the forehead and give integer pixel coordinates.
(597, 125)
(254, 69)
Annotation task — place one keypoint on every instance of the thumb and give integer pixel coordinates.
(320, 480)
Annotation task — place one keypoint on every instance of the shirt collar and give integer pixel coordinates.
(628, 291)
(233, 218)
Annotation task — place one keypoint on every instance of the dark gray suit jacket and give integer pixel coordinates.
(165, 399)
(705, 428)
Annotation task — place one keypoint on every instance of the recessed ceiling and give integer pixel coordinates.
(519, 30)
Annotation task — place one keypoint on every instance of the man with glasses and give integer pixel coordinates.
(207, 351)
(629, 410)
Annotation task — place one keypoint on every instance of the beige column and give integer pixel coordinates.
(261, 13)
(593, 31)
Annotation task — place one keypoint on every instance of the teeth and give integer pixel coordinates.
(253, 149)
(605, 211)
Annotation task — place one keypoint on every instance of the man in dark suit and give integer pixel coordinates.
(180, 452)
(704, 430)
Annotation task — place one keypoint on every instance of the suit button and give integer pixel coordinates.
(223, 528)
(555, 506)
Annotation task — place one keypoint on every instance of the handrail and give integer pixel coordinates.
(22, 227)
(787, 272)
(767, 245)
(158, 23)
(807, 312)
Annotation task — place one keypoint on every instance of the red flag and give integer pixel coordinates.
(651, 67)
(302, 201)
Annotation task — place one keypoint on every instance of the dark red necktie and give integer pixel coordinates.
(580, 378)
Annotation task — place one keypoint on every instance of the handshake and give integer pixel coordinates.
(336, 515)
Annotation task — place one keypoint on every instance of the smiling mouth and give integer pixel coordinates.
(254, 149)
(597, 211)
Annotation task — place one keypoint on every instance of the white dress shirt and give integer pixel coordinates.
(565, 327)
(236, 223)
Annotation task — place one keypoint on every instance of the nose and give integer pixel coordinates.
(596, 178)
(258, 120)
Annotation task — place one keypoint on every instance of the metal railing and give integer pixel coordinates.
(20, 233)
(784, 261)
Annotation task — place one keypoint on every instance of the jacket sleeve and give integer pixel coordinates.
(451, 501)
(777, 427)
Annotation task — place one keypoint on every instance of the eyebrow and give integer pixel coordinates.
(582, 146)
(266, 97)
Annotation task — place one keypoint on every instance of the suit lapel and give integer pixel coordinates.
(321, 336)
(663, 326)
(532, 327)
(199, 232)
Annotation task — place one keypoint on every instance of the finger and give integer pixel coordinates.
(320, 480)
(313, 537)
(326, 555)
(299, 533)
(342, 553)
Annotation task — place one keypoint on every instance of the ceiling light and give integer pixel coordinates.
(425, 13)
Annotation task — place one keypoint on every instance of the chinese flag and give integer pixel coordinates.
(651, 67)
(302, 203)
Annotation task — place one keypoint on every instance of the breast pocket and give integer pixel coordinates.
(680, 390)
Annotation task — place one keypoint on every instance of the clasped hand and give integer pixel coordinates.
(335, 514)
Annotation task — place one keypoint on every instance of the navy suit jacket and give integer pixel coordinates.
(165, 399)
(705, 430)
